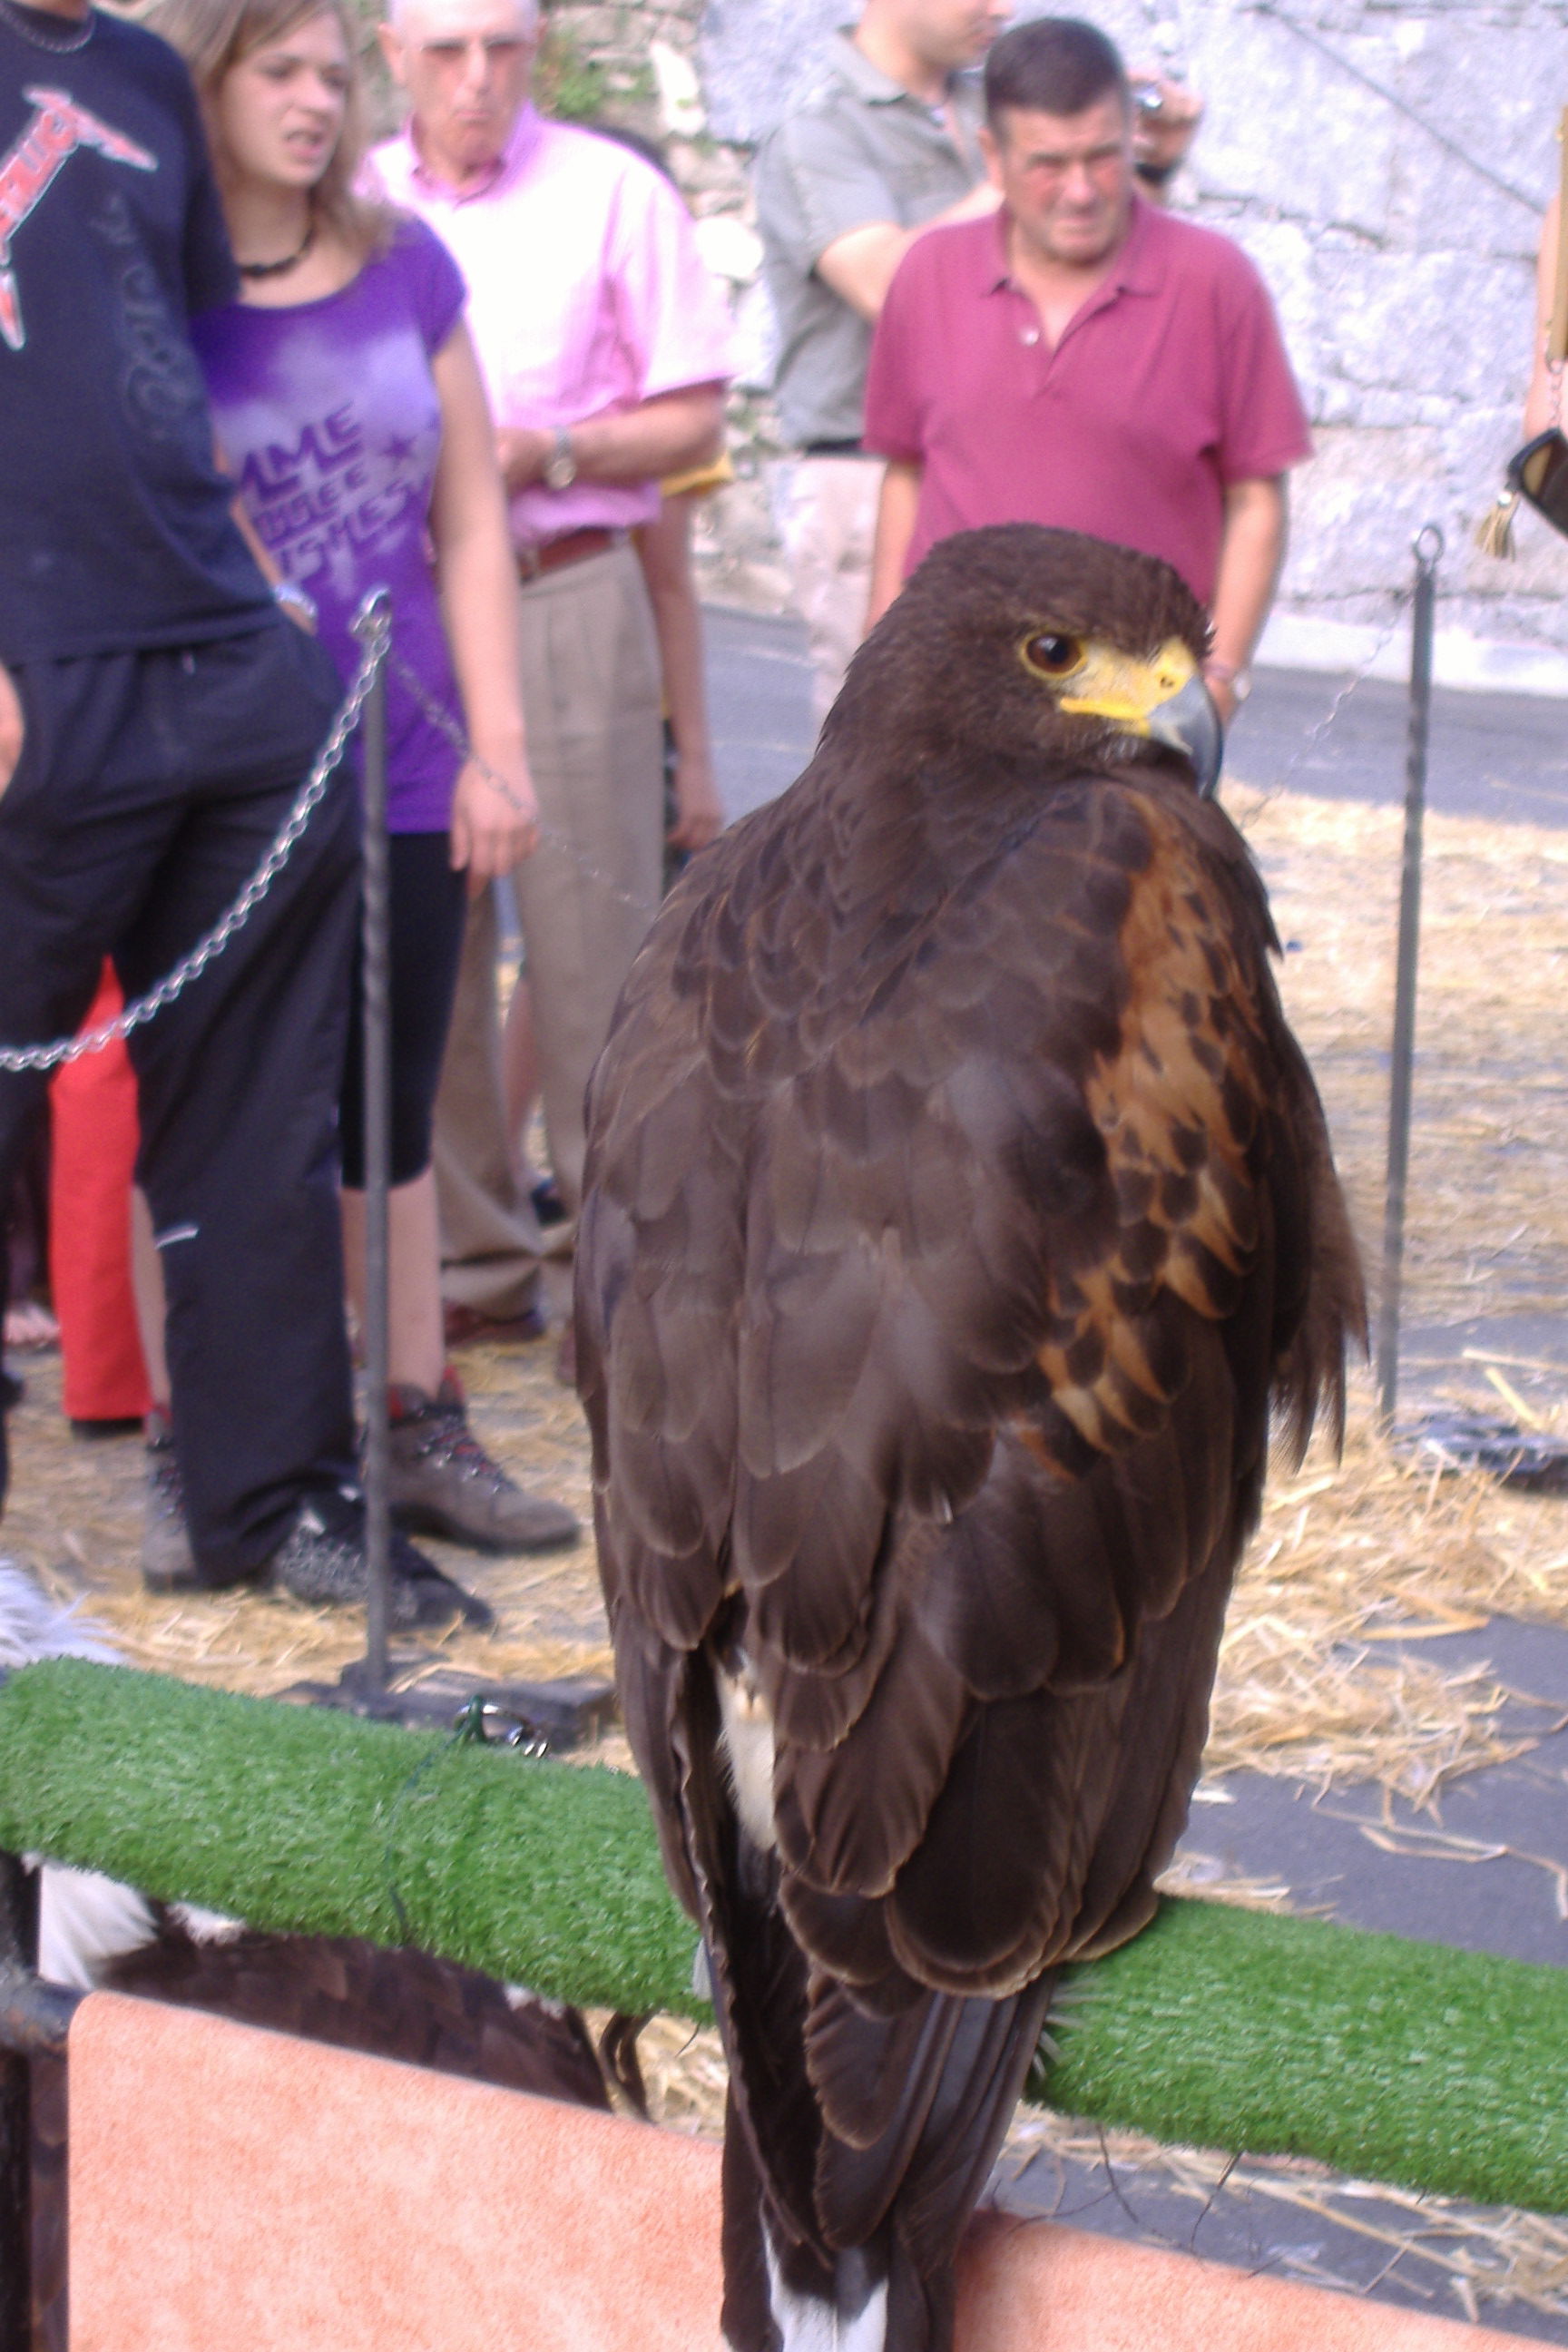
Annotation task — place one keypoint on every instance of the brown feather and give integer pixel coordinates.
(402, 2004)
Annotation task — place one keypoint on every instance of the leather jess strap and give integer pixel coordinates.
(572, 547)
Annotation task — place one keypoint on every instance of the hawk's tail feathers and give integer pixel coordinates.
(783, 2297)
(902, 2202)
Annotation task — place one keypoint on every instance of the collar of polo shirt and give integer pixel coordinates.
(877, 89)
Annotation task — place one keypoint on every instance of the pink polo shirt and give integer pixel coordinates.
(586, 294)
(1170, 383)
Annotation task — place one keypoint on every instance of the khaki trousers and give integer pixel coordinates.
(490, 1240)
(824, 509)
(592, 707)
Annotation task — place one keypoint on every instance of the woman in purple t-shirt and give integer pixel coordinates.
(348, 407)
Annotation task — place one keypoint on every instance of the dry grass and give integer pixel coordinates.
(1353, 1558)
(74, 1518)
(1487, 1212)
(1350, 1556)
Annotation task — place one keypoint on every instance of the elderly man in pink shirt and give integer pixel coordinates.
(604, 345)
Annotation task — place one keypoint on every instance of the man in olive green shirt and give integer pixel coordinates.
(880, 144)
(883, 141)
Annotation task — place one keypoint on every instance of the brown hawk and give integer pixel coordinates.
(957, 1200)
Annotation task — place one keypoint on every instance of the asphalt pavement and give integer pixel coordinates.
(1503, 757)
(759, 704)
(1492, 1874)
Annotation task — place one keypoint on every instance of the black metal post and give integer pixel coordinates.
(1428, 552)
(18, 1959)
(375, 614)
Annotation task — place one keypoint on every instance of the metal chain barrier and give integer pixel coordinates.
(444, 721)
(15, 1059)
(1427, 550)
(1361, 674)
(446, 725)
(1358, 678)
(372, 626)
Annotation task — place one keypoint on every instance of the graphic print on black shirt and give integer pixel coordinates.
(115, 523)
(57, 130)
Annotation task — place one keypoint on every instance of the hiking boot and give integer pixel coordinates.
(168, 1564)
(445, 1483)
(466, 1326)
(321, 1561)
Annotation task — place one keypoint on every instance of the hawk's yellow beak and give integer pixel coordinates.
(1166, 700)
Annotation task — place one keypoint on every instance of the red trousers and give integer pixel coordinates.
(93, 1140)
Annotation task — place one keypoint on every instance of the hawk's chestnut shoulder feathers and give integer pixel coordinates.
(957, 1197)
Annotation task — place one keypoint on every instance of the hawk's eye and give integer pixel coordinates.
(1053, 657)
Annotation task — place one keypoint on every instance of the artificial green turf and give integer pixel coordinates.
(301, 1819)
(1412, 2062)
(1409, 2063)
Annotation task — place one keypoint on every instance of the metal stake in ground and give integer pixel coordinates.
(18, 1956)
(530, 1716)
(371, 626)
(35, 2019)
(1429, 551)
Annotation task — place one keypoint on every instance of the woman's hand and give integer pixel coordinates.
(11, 730)
(495, 824)
(699, 818)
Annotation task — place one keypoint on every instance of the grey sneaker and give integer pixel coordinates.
(445, 1483)
(321, 1561)
(167, 1562)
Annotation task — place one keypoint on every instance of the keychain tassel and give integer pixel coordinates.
(1494, 534)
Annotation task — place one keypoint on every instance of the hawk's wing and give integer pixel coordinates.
(946, 1234)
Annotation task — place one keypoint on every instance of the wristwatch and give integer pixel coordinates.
(295, 599)
(561, 467)
(1224, 672)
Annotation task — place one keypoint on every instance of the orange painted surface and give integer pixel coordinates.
(236, 2190)
(233, 2190)
(1032, 2287)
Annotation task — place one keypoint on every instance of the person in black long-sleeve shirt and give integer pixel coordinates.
(158, 714)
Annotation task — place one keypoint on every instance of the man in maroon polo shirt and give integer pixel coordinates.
(1085, 360)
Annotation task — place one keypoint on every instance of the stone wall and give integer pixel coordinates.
(1384, 165)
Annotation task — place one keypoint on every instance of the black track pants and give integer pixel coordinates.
(428, 906)
(149, 789)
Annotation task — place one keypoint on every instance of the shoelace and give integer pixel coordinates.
(448, 1437)
(164, 1476)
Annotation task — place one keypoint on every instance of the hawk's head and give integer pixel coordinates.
(1020, 643)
